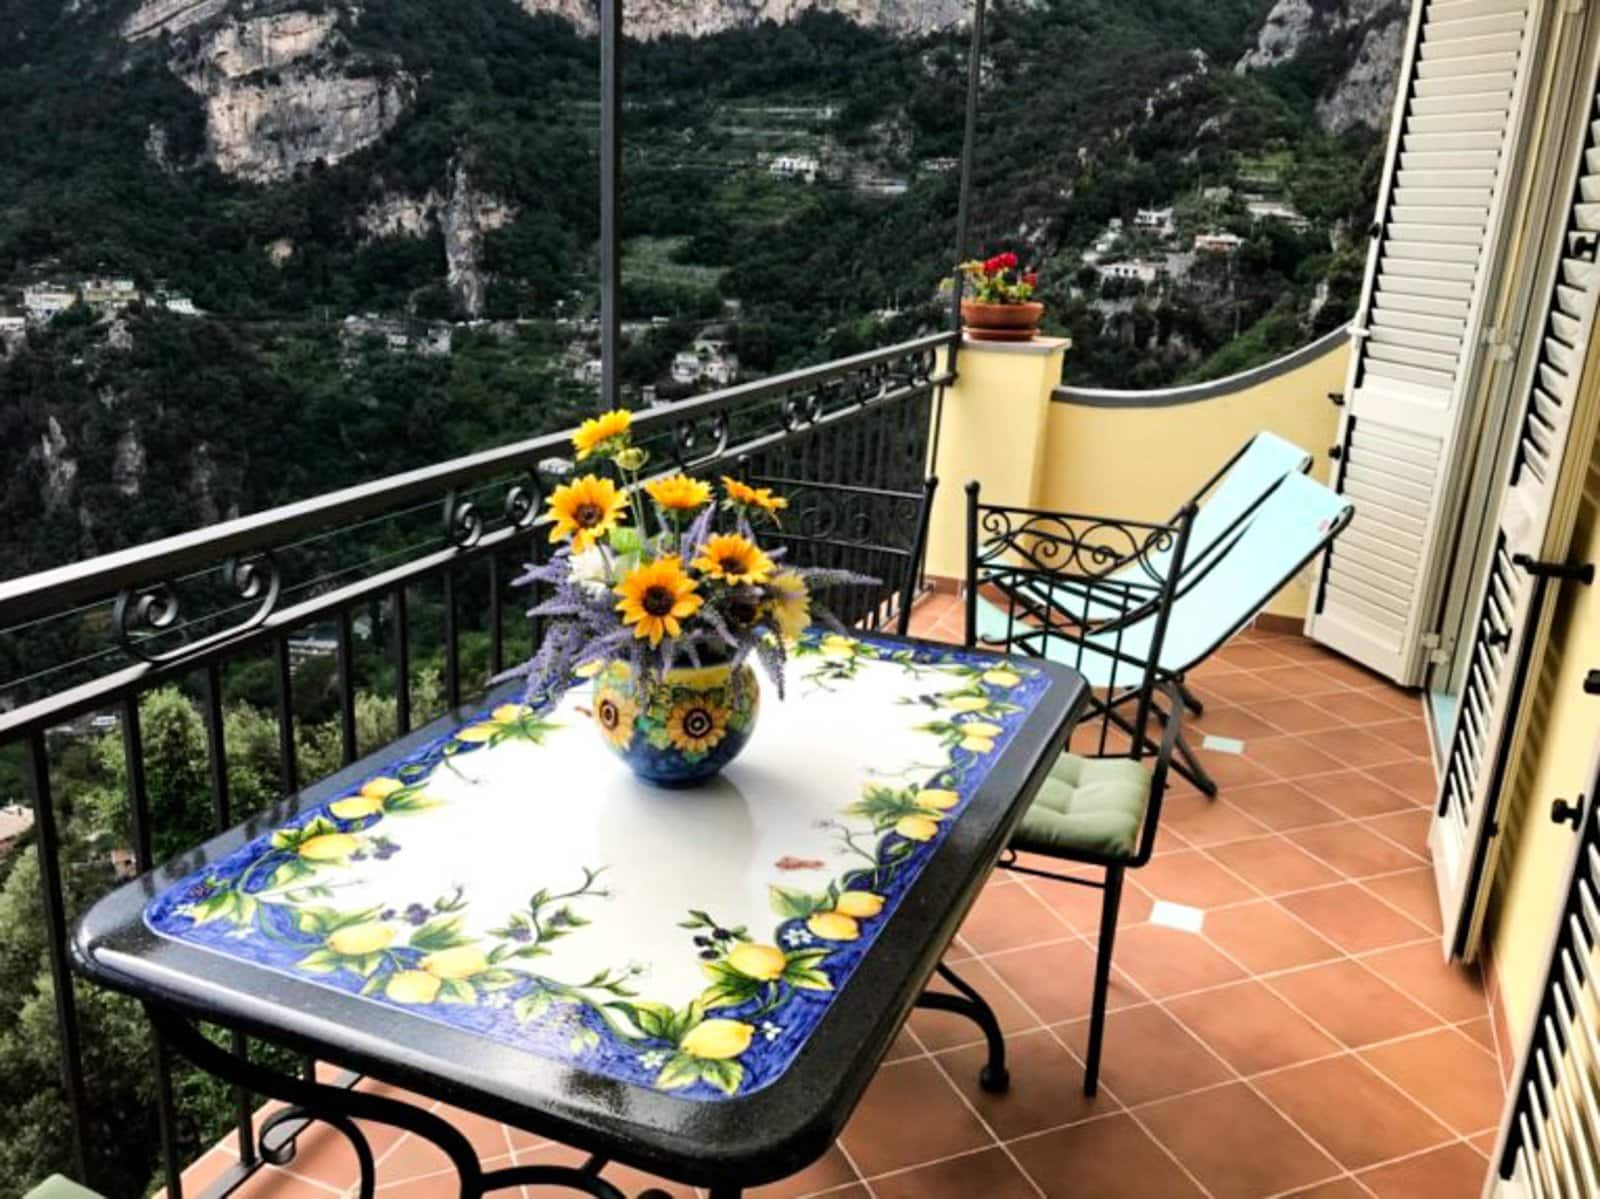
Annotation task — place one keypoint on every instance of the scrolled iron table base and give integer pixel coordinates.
(340, 1107)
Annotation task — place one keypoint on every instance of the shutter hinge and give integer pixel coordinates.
(1501, 344)
(1440, 650)
(1591, 683)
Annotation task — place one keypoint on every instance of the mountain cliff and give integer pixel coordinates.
(651, 19)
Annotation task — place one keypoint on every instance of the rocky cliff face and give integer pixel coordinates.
(281, 91)
(650, 19)
(1376, 28)
(463, 215)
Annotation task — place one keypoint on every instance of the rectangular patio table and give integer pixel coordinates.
(494, 912)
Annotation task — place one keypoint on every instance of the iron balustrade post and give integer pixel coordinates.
(401, 632)
(288, 766)
(347, 689)
(969, 150)
(47, 844)
(497, 651)
(452, 644)
(610, 182)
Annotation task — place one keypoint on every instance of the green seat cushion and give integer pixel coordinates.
(57, 1187)
(1087, 805)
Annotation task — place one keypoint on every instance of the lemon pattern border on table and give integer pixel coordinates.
(272, 901)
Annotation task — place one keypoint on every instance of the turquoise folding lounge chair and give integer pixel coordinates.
(1222, 505)
(1289, 527)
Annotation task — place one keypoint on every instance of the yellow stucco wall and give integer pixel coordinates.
(1140, 463)
(1555, 762)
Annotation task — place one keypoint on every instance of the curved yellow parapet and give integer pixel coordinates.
(1130, 454)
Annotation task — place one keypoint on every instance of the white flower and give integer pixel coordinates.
(653, 1059)
(796, 936)
(771, 1031)
(498, 999)
(589, 571)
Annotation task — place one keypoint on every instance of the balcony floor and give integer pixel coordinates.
(1308, 1040)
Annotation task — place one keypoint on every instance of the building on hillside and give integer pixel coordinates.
(939, 166)
(588, 372)
(1135, 270)
(43, 302)
(1155, 220)
(1276, 210)
(1217, 243)
(686, 367)
(16, 821)
(175, 302)
(794, 166)
(110, 294)
(399, 335)
(1216, 195)
(13, 328)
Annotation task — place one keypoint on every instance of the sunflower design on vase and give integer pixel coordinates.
(664, 596)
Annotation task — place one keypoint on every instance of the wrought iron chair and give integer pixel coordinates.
(1285, 530)
(1101, 805)
(868, 530)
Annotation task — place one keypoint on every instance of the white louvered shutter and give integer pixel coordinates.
(1428, 281)
(1550, 1132)
(1530, 529)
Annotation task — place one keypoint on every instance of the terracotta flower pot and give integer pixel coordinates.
(1001, 322)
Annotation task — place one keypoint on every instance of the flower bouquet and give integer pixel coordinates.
(997, 301)
(661, 593)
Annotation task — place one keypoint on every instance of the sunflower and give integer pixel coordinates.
(598, 434)
(656, 596)
(696, 726)
(680, 493)
(615, 714)
(585, 509)
(733, 559)
(747, 496)
(788, 604)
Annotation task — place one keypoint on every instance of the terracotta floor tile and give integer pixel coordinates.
(626, 1178)
(271, 1183)
(323, 1154)
(1299, 716)
(1248, 656)
(1147, 1055)
(946, 1030)
(1353, 674)
(1410, 734)
(1455, 992)
(1273, 865)
(1111, 1158)
(488, 1137)
(1009, 917)
(1202, 822)
(1352, 850)
(1190, 877)
(202, 1173)
(1446, 1072)
(1055, 981)
(1481, 1031)
(1356, 708)
(1167, 961)
(905, 1044)
(1264, 937)
(1357, 1116)
(831, 1170)
(882, 1135)
(1352, 1003)
(1416, 779)
(1352, 918)
(1046, 1086)
(989, 1173)
(1235, 1144)
(1242, 724)
(1354, 794)
(1252, 1028)
(1242, 688)
(1234, 770)
(1334, 1188)
(1414, 892)
(1304, 680)
(412, 1157)
(1452, 1170)
(1409, 830)
(1079, 906)
(1290, 756)
(1281, 806)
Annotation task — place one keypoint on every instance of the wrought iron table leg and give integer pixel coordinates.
(340, 1108)
(1190, 699)
(994, 1077)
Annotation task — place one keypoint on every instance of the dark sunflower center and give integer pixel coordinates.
(609, 716)
(732, 564)
(588, 515)
(697, 722)
(658, 600)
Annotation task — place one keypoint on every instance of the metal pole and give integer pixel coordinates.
(969, 146)
(610, 180)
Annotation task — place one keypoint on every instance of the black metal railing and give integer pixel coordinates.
(342, 595)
